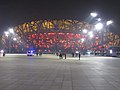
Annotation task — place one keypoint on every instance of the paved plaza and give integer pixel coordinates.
(48, 72)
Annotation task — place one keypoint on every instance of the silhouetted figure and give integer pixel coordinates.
(95, 53)
(3, 53)
(36, 53)
(60, 56)
(79, 55)
(65, 55)
(40, 53)
(57, 54)
(72, 54)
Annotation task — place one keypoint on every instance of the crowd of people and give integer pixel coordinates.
(63, 55)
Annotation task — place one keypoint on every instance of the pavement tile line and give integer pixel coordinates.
(48, 72)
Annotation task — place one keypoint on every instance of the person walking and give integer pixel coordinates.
(79, 55)
(72, 54)
(65, 55)
(3, 53)
(36, 53)
(60, 56)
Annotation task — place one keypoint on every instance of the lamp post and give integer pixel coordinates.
(9, 34)
(98, 25)
(85, 39)
(102, 27)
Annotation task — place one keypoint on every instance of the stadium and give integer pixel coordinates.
(57, 35)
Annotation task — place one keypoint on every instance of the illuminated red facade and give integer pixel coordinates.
(55, 35)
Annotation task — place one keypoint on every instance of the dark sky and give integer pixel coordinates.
(14, 12)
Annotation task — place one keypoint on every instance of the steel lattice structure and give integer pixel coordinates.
(54, 35)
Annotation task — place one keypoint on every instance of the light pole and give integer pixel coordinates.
(99, 26)
(9, 34)
(102, 27)
(85, 39)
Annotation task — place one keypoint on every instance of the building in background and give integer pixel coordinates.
(58, 35)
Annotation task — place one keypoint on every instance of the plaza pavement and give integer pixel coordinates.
(47, 72)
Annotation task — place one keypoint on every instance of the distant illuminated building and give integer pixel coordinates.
(55, 35)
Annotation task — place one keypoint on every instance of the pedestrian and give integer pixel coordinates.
(57, 53)
(36, 53)
(60, 56)
(72, 54)
(3, 53)
(40, 53)
(79, 55)
(65, 55)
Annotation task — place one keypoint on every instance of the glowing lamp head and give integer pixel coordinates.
(85, 30)
(99, 26)
(99, 19)
(2, 51)
(14, 39)
(6, 34)
(11, 30)
(93, 14)
(109, 22)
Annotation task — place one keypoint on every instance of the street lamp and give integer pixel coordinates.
(99, 19)
(85, 31)
(14, 39)
(6, 33)
(11, 30)
(10, 34)
(93, 14)
(99, 26)
(109, 22)
(87, 35)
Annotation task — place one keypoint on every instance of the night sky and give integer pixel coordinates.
(15, 12)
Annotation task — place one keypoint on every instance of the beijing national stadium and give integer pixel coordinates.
(58, 35)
